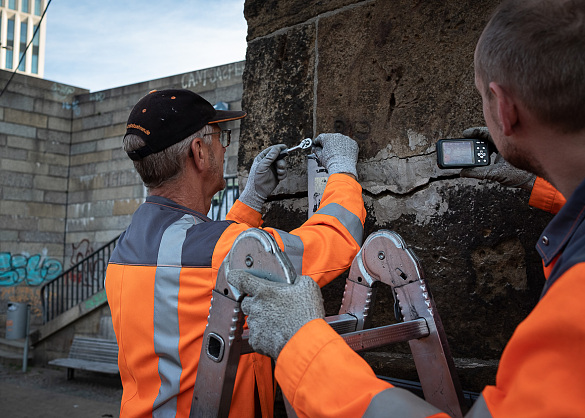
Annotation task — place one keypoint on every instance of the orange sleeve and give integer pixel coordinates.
(541, 370)
(321, 376)
(544, 196)
(243, 214)
(329, 246)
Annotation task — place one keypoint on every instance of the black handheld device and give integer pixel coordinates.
(463, 152)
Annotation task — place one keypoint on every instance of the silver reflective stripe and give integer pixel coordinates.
(397, 402)
(166, 316)
(350, 221)
(294, 249)
(479, 409)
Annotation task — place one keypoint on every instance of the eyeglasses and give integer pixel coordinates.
(225, 137)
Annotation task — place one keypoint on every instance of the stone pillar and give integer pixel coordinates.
(397, 76)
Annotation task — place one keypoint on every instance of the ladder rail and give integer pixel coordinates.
(384, 258)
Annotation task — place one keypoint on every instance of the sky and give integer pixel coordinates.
(102, 44)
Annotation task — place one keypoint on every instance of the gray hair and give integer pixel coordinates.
(536, 50)
(167, 165)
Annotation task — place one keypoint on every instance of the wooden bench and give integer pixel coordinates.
(93, 354)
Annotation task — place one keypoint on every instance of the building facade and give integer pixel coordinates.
(22, 36)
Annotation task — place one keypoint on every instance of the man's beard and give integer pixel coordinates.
(524, 162)
(218, 172)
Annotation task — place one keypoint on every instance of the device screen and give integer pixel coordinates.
(457, 152)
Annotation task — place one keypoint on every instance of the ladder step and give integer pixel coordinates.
(368, 338)
(381, 336)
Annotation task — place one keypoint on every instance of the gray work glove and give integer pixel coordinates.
(338, 153)
(501, 171)
(264, 177)
(276, 311)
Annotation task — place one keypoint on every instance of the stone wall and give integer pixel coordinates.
(66, 186)
(35, 136)
(397, 76)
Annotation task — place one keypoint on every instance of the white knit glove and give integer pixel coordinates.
(264, 176)
(276, 311)
(338, 153)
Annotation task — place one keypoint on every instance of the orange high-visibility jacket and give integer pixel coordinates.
(541, 371)
(159, 284)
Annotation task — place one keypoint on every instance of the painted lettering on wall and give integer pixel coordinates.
(32, 270)
(91, 270)
(74, 105)
(80, 251)
(97, 97)
(64, 94)
(212, 75)
(95, 301)
(62, 91)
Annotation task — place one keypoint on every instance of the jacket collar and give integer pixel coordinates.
(163, 201)
(563, 226)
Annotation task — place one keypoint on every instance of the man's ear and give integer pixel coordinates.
(506, 109)
(199, 153)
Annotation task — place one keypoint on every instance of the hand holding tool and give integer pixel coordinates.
(265, 174)
(305, 144)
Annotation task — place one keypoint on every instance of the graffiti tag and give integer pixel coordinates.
(96, 300)
(211, 75)
(33, 271)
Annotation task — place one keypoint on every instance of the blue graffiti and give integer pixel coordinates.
(15, 269)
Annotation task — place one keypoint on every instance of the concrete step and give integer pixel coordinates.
(15, 347)
(12, 352)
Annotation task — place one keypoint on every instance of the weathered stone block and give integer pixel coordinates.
(52, 225)
(16, 180)
(59, 124)
(278, 84)
(83, 159)
(29, 195)
(25, 118)
(26, 167)
(45, 210)
(50, 183)
(17, 130)
(126, 207)
(14, 153)
(267, 16)
(16, 222)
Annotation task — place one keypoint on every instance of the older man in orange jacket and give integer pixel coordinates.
(161, 275)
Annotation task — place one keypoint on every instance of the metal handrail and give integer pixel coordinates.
(77, 284)
(223, 201)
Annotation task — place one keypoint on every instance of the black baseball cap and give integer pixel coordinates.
(164, 117)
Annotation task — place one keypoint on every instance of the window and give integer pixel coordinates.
(24, 6)
(22, 56)
(12, 4)
(38, 7)
(35, 51)
(9, 43)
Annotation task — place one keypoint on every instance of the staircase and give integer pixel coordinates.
(80, 289)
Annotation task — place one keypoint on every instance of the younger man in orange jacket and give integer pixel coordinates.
(529, 70)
